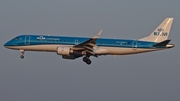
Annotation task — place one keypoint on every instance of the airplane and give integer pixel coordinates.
(76, 47)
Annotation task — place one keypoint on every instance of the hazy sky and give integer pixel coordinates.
(47, 77)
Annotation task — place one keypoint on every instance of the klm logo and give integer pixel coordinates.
(160, 29)
(41, 38)
(160, 32)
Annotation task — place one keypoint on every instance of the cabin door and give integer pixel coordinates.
(134, 45)
(27, 40)
(76, 42)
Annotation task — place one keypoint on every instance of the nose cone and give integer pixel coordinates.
(6, 44)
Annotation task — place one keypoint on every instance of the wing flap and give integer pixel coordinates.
(88, 48)
(91, 52)
(91, 44)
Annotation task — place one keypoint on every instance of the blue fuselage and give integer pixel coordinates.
(28, 40)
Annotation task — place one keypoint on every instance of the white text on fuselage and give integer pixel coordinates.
(41, 38)
(54, 39)
(44, 38)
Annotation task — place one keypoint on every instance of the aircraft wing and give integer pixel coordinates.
(88, 45)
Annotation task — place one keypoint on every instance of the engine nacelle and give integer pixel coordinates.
(69, 57)
(101, 51)
(64, 51)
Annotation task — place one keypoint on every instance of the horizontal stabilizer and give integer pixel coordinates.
(163, 43)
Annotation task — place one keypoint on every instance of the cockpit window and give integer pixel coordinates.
(16, 38)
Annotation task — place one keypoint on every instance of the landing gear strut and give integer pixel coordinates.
(87, 60)
(22, 56)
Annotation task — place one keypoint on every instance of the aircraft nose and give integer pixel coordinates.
(6, 44)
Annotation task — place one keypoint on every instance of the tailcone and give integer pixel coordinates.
(170, 45)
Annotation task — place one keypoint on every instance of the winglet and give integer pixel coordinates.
(97, 36)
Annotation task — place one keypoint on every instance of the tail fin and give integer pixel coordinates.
(161, 33)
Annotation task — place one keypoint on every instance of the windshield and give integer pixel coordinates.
(16, 38)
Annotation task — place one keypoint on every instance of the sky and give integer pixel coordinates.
(43, 76)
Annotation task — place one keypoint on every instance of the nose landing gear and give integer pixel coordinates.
(87, 60)
(22, 56)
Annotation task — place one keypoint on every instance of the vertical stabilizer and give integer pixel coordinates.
(161, 33)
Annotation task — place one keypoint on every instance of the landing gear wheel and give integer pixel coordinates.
(88, 62)
(85, 59)
(22, 56)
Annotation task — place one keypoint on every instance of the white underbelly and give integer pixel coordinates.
(48, 48)
(109, 50)
(125, 51)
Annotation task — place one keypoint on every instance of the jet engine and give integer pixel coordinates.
(64, 51)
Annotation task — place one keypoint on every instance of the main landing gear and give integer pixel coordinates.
(87, 60)
(22, 56)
